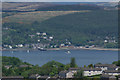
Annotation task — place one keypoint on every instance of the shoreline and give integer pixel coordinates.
(109, 49)
(54, 49)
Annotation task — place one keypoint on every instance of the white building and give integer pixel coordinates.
(44, 33)
(50, 37)
(38, 33)
(66, 74)
(87, 71)
(112, 72)
(92, 71)
(105, 66)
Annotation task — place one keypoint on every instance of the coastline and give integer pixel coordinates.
(66, 48)
(109, 49)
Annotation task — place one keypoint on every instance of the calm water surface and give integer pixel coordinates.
(83, 57)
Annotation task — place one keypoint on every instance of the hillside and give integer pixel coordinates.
(87, 28)
(23, 6)
(29, 17)
(81, 28)
(70, 7)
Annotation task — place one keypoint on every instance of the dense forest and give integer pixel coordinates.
(89, 28)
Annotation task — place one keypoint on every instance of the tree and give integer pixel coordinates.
(90, 66)
(79, 74)
(72, 63)
(84, 66)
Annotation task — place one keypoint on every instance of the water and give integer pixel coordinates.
(83, 57)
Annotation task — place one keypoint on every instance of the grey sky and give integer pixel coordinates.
(60, 0)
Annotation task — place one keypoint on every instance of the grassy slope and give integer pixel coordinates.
(39, 16)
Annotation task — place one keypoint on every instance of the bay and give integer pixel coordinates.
(83, 57)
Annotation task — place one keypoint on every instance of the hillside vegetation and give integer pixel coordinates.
(70, 7)
(29, 17)
(79, 28)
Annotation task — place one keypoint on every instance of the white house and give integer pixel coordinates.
(50, 37)
(44, 33)
(105, 66)
(66, 74)
(91, 71)
(87, 71)
(38, 33)
(74, 70)
(112, 72)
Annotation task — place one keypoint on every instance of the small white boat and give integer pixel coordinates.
(68, 52)
(28, 51)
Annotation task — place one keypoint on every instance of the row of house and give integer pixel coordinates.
(98, 69)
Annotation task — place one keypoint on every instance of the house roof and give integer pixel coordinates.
(12, 77)
(75, 68)
(24, 66)
(107, 76)
(85, 69)
(34, 76)
(44, 77)
(92, 69)
(111, 71)
(105, 65)
(63, 72)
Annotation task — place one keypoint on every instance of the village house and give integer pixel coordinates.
(50, 37)
(31, 36)
(107, 77)
(91, 71)
(8, 66)
(34, 76)
(38, 33)
(24, 66)
(106, 66)
(74, 70)
(66, 74)
(44, 34)
(112, 72)
(86, 71)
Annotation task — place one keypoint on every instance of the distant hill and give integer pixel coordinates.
(44, 6)
(70, 7)
(23, 6)
(86, 28)
(81, 28)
